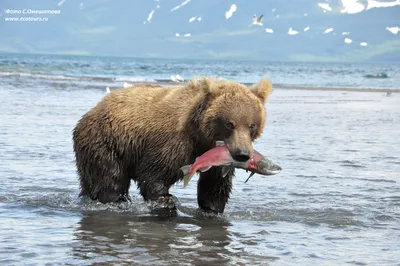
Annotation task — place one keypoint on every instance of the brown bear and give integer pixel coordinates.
(146, 133)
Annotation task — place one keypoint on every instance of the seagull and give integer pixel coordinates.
(257, 20)
(229, 13)
(268, 30)
(150, 16)
(292, 31)
(328, 30)
(174, 79)
(325, 6)
(363, 44)
(393, 30)
(388, 93)
(108, 90)
(61, 2)
(127, 85)
(177, 78)
(347, 40)
(306, 28)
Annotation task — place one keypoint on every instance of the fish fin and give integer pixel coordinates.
(225, 170)
(187, 176)
(185, 169)
(205, 168)
(252, 173)
(186, 179)
(219, 143)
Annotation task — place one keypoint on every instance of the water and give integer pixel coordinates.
(336, 202)
(98, 72)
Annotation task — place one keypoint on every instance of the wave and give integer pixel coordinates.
(135, 79)
(116, 82)
(377, 76)
(41, 76)
(59, 77)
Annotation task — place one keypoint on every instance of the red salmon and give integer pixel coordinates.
(220, 156)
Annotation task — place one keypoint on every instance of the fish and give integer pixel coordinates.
(220, 156)
(263, 166)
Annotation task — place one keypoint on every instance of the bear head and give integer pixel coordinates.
(234, 114)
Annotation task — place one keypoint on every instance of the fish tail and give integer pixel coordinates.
(187, 176)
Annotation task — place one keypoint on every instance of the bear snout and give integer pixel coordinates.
(241, 155)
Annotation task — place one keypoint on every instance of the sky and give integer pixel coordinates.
(293, 30)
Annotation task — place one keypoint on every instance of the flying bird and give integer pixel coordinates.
(257, 20)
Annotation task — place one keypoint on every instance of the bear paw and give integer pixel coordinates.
(164, 206)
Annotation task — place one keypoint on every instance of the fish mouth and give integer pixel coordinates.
(275, 169)
(272, 170)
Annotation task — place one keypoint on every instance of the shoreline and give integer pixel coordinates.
(289, 87)
(317, 88)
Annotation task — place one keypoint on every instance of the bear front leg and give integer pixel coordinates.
(213, 190)
(155, 190)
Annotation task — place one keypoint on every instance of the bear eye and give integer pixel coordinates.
(252, 126)
(229, 125)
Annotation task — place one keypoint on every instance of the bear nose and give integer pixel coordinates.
(241, 155)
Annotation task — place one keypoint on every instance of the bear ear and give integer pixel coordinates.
(262, 89)
(205, 85)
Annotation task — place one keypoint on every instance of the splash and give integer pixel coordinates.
(229, 13)
(363, 43)
(187, 35)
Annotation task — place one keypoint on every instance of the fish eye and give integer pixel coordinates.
(229, 125)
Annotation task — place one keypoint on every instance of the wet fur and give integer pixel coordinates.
(146, 133)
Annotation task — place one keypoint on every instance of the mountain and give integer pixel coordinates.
(121, 28)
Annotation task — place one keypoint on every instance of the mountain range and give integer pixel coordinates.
(151, 28)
